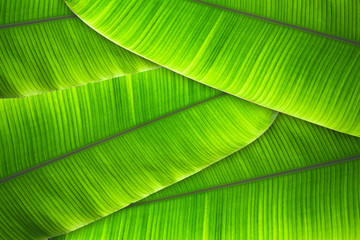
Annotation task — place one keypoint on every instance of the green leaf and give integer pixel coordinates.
(322, 203)
(305, 75)
(289, 145)
(37, 129)
(42, 57)
(338, 18)
(13, 12)
(89, 183)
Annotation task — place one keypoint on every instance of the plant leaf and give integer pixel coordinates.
(301, 74)
(13, 12)
(47, 56)
(289, 145)
(322, 203)
(37, 129)
(337, 18)
(83, 186)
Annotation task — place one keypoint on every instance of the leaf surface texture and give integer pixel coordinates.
(298, 73)
(322, 203)
(87, 185)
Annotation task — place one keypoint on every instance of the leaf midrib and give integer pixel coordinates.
(18, 24)
(250, 180)
(321, 34)
(242, 182)
(18, 174)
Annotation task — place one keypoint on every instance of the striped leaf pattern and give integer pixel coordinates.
(305, 75)
(186, 119)
(289, 144)
(19, 11)
(337, 18)
(40, 128)
(91, 182)
(322, 203)
(48, 56)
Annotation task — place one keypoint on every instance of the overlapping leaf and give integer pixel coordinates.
(301, 74)
(37, 129)
(92, 182)
(301, 204)
(71, 157)
(46, 56)
(319, 204)
(288, 144)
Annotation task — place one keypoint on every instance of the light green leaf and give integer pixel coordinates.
(37, 129)
(321, 203)
(41, 57)
(89, 183)
(305, 75)
(289, 145)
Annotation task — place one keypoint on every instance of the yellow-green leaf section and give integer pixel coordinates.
(305, 75)
(289, 145)
(54, 55)
(39, 128)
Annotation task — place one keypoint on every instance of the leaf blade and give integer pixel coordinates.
(300, 74)
(32, 10)
(305, 15)
(289, 145)
(49, 56)
(43, 127)
(90, 184)
(250, 211)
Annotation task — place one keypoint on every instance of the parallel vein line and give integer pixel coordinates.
(281, 23)
(212, 5)
(250, 180)
(11, 25)
(103, 140)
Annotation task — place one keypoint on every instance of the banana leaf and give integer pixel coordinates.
(311, 76)
(296, 180)
(36, 129)
(337, 18)
(68, 191)
(289, 144)
(22, 11)
(321, 203)
(49, 54)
